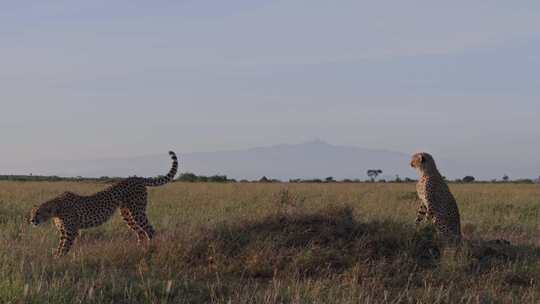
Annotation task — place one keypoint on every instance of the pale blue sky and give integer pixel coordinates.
(91, 79)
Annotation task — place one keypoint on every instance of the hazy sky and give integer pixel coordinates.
(91, 79)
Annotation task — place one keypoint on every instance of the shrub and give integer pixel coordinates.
(468, 179)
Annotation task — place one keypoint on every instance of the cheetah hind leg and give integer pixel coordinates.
(139, 215)
(141, 220)
(130, 221)
(450, 237)
(138, 212)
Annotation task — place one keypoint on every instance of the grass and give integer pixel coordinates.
(278, 243)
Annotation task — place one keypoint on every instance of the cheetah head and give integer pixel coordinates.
(42, 213)
(423, 162)
(39, 215)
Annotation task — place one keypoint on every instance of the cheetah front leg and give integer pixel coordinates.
(61, 244)
(422, 213)
(68, 234)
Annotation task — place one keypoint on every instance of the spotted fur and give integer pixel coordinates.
(71, 212)
(438, 205)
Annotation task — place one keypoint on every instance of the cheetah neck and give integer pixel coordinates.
(429, 173)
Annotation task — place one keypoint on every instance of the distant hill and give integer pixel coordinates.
(314, 159)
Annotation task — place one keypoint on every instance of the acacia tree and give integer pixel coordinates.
(468, 179)
(373, 173)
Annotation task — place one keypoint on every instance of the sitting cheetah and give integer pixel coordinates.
(71, 212)
(438, 203)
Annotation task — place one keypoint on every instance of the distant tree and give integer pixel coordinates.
(329, 179)
(347, 180)
(192, 178)
(468, 179)
(398, 179)
(218, 179)
(373, 173)
(524, 181)
(188, 177)
(505, 178)
(264, 179)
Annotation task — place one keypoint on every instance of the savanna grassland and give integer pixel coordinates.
(277, 243)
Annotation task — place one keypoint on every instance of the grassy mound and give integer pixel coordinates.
(329, 241)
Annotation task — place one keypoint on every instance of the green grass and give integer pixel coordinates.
(277, 243)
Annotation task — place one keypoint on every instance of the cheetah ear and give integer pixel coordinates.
(422, 158)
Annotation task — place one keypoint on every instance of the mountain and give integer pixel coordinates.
(314, 159)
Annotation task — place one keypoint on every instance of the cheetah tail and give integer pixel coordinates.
(162, 180)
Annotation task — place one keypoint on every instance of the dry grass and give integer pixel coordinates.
(278, 243)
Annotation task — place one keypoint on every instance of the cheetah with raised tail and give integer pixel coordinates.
(71, 212)
(437, 202)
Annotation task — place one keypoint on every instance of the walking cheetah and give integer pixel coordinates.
(437, 202)
(71, 212)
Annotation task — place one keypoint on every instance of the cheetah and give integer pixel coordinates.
(71, 212)
(438, 205)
